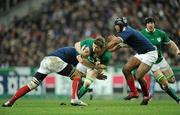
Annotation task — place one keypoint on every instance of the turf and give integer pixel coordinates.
(96, 107)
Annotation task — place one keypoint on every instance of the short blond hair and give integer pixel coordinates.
(100, 41)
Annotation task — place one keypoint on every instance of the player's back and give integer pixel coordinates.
(136, 40)
(67, 54)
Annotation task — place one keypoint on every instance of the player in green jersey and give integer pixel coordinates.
(161, 69)
(99, 58)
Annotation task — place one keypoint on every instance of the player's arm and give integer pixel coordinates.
(100, 66)
(77, 46)
(115, 43)
(85, 62)
(112, 40)
(174, 47)
(118, 46)
(82, 53)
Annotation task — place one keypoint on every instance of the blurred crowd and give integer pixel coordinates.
(63, 22)
(6, 5)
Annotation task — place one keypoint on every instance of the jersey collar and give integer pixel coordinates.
(149, 31)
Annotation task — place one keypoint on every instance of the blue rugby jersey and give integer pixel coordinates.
(136, 40)
(67, 54)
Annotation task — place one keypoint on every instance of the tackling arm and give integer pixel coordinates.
(115, 43)
(85, 62)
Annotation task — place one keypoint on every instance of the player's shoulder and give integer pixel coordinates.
(143, 30)
(89, 39)
(107, 53)
(127, 30)
(160, 31)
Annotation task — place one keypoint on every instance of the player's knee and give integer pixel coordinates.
(126, 69)
(171, 80)
(88, 81)
(34, 83)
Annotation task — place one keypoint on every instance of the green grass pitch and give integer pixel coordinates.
(28, 106)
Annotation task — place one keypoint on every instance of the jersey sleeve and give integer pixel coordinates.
(166, 39)
(124, 35)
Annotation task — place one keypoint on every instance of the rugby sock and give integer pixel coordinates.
(152, 85)
(75, 84)
(144, 87)
(21, 92)
(131, 85)
(81, 82)
(87, 82)
(170, 91)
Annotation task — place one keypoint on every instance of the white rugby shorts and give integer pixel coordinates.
(163, 65)
(51, 64)
(148, 58)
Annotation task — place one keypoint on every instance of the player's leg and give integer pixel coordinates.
(167, 71)
(76, 84)
(34, 83)
(161, 79)
(147, 61)
(152, 85)
(169, 75)
(127, 69)
(75, 76)
(90, 77)
(48, 65)
(70, 71)
(140, 73)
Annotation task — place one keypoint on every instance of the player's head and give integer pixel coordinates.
(150, 23)
(99, 44)
(119, 23)
(86, 50)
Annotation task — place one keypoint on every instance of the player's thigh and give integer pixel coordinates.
(142, 70)
(92, 73)
(51, 64)
(132, 63)
(82, 68)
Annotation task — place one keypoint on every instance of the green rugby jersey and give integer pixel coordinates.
(104, 58)
(157, 38)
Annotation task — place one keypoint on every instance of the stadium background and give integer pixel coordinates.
(30, 29)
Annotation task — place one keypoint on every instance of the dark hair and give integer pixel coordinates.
(149, 19)
(100, 41)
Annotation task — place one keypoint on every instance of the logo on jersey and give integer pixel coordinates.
(159, 39)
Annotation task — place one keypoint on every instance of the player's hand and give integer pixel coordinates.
(97, 63)
(101, 77)
(178, 52)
